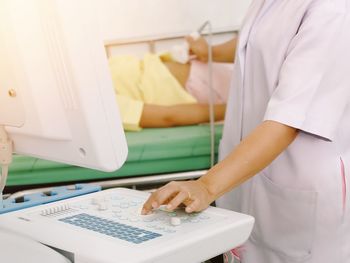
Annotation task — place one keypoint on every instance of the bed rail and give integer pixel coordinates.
(152, 41)
(146, 182)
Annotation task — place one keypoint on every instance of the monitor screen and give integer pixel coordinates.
(56, 94)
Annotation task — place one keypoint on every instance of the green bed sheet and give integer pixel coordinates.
(151, 151)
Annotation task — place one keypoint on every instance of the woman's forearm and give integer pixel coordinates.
(225, 52)
(252, 155)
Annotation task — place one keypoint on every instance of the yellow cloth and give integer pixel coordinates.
(144, 81)
(130, 111)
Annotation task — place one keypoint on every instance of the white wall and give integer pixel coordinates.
(121, 19)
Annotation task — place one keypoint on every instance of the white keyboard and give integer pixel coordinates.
(107, 227)
(118, 215)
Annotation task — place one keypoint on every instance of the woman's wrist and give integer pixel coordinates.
(209, 188)
(225, 52)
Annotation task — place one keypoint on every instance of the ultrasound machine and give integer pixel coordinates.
(57, 103)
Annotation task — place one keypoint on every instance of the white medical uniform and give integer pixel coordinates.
(293, 67)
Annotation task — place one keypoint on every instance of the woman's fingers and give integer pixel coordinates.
(194, 206)
(198, 47)
(190, 193)
(147, 207)
(189, 39)
(179, 199)
(161, 196)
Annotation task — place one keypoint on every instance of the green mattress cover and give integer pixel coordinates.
(151, 151)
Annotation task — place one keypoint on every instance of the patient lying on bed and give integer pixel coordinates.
(156, 92)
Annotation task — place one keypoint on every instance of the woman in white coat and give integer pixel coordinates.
(286, 144)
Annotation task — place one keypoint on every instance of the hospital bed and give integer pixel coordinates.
(156, 156)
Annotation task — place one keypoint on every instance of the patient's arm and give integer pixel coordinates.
(180, 71)
(178, 115)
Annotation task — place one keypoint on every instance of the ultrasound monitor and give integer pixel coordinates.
(56, 94)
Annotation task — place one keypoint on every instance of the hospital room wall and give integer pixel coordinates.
(127, 21)
(120, 19)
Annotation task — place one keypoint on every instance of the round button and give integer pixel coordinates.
(175, 221)
(102, 206)
(124, 205)
(172, 214)
(97, 200)
(117, 210)
(147, 219)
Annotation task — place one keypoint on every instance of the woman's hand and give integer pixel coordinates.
(199, 48)
(224, 52)
(193, 194)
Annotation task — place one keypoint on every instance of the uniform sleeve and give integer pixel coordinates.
(313, 89)
(131, 111)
